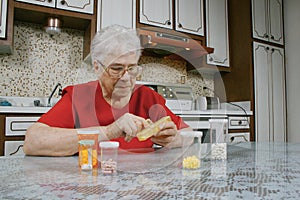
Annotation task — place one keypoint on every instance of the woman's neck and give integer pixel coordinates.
(114, 100)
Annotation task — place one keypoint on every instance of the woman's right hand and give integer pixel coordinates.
(127, 126)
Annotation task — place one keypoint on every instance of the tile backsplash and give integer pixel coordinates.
(40, 61)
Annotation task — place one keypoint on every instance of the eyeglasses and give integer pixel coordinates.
(118, 70)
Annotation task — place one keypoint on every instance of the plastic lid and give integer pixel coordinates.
(88, 131)
(191, 134)
(109, 144)
(86, 142)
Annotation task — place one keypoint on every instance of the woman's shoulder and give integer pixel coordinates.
(82, 87)
(149, 93)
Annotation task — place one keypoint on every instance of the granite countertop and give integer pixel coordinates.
(23, 109)
(251, 171)
(33, 109)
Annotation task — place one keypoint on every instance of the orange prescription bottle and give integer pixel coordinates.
(88, 149)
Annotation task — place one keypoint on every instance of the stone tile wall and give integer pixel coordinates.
(40, 61)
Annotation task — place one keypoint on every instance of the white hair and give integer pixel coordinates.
(114, 41)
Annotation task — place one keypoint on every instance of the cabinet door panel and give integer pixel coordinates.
(262, 93)
(260, 20)
(276, 28)
(189, 16)
(40, 2)
(278, 83)
(84, 6)
(122, 12)
(3, 15)
(270, 103)
(217, 32)
(13, 148)
(157, 13)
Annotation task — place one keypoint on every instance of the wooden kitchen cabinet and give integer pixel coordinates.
(188, 15)
(217, 32)
(269, 83)
(83, 6)
(6, 27)
(267, 20)
(121, 12)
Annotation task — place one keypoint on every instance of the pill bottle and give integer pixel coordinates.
(109, 157)
(88, 149)
(218, 138)
(191, 149)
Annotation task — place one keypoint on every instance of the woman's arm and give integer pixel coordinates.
(43, 140)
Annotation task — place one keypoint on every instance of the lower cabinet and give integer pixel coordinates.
(269, 86)
(239, 128)
(12, 132)
(13, 148)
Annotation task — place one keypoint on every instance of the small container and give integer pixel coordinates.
(218, 138)
(88, 149)
(109, 156)
(191, 149)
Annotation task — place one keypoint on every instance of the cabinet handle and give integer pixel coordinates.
(169, 23)
(266, 36)
(272, 37)
(16, 150)
(268, 48)
(211, 59)
(49, 1)
(179, 25)
(272, 50)
(62, 2)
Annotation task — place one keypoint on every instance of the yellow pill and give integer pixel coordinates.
(191, 162)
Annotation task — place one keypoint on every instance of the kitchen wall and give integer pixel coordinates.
(40, 61)
(292, 49)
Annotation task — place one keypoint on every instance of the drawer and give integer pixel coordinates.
(240, 122)
(13, 148)
(239, 137)
(15, 126)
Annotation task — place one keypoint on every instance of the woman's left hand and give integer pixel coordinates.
(167, 134)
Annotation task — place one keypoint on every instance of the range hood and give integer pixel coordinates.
(170, 44)
(166, 43)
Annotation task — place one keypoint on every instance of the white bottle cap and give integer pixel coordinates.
(109, 144)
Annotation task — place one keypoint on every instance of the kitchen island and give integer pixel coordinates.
(251, 171)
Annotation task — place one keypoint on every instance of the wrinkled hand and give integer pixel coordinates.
(127, 126)
(167, 135)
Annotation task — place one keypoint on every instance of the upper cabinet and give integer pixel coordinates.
(217, 32)
(3, 14)
(157, 13)
(188, 15)
(6, 27)
(267, 22)
(83, 6)
(121, 12)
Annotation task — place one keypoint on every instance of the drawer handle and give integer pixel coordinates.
(16, 150)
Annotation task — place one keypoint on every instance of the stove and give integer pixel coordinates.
(178, 96)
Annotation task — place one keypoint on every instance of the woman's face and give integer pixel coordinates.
(123, 86)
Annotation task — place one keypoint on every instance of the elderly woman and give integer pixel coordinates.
(113, 104)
